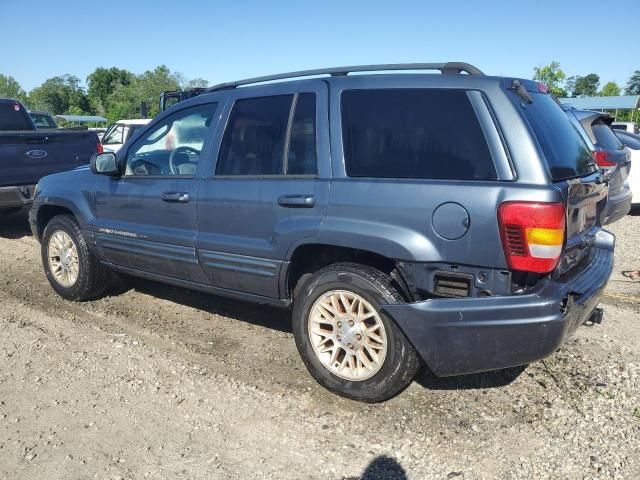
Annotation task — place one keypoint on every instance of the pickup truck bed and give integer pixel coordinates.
(27, 155)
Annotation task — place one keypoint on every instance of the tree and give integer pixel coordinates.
(610, 89)
(102, 82)
(197, 83)
(125, 100)
(586, 86)
(58, 95)
(552, 76)
(10, 88)
(633, 85)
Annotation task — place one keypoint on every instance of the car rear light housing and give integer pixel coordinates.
(99, 148)
(532, 234)
(602, 159)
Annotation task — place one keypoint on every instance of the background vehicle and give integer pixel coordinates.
(43, 120)
(170, 98)
(609, 154)
(118, 133)
(630, 127)
(632, 142)
(354, 200)
(26, 154)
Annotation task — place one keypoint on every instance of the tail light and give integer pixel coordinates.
(602, 159)
(99, 148)
(532, 235)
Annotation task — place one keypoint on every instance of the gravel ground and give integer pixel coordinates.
(160, 382)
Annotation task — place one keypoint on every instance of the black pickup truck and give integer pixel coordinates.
(28, 154)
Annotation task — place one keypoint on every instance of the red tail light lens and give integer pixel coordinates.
(542, 88)
(602, 159)
(99, 148)
(532, 235)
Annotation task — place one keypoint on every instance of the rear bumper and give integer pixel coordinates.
(468, 335)
(618, 206)
(21, 196)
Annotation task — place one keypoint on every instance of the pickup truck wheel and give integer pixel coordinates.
(347, 343)
(71, 268)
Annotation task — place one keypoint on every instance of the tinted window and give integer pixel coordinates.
(413, 133)
(618, 127)
(13, 117)
(605, 137)
(254, 139)
(173, 146)
(629, 140)
(566, 153)
(301, 156)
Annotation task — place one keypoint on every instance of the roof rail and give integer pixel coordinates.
(446, 68)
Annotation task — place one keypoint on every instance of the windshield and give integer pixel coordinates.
(566, 153)
(13, 117)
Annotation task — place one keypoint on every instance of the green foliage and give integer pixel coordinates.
(633, 85)
(58, 95)
(102, 83)
(10, 88)
(124, 101)
(552, 76)
(586, 86)
(610, 89)
(197, 83)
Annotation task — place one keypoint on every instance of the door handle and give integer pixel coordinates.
(297, 201)
(177, 197)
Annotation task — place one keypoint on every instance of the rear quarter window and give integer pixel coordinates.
(605, 137)
(414, 133)
(565, 152)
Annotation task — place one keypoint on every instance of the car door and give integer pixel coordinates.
(268, 191)
(146, 219)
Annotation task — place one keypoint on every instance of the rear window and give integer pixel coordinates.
(13, 117)
(566, 153)
(605, 138)
(414, 133)
(619, 127)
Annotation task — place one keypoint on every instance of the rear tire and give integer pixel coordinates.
(347, 343)
(73, 271)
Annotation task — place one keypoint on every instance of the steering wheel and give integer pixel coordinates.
(172, 158)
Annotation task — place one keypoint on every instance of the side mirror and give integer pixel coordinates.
(105, 164)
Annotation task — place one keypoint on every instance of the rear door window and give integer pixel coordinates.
(254, 140)
(414, 133)
(13, 117)
(566, 153)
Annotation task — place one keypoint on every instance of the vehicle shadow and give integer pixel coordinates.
(474, 381)
(14, 225)
(382, 467)
(261, 315)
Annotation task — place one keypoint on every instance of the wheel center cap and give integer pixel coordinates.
(65, 259)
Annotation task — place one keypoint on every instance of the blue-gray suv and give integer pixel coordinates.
(450, 219)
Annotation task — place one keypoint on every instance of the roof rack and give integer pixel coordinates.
(445, 68)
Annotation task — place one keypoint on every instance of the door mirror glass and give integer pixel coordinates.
(105, 164)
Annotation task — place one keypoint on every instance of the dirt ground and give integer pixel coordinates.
(160, 382)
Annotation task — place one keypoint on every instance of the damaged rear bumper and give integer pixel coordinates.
(468, 335)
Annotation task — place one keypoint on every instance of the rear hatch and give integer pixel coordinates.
(571, 167)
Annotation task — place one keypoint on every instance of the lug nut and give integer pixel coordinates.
(351, 323)
(350, 346)
(339, 324)
(358, 337)
(339, 338)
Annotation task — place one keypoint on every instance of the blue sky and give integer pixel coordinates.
(226, 40)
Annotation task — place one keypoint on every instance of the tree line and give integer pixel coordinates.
(111, 92)
(117, 93)
(588, 85)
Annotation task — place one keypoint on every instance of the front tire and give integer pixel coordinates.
(72, 269)
(347, 343)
